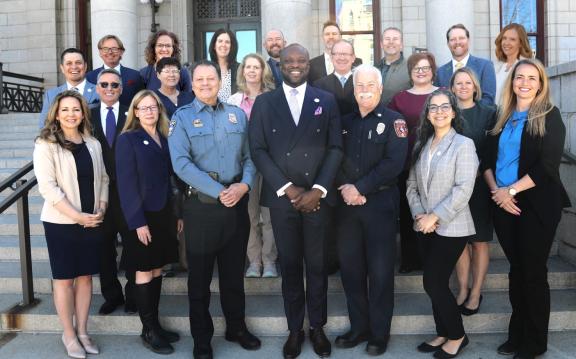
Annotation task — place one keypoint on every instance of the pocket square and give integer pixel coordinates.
(130, 82)
(318, 111)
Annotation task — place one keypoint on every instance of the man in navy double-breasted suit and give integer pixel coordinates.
(295, 141)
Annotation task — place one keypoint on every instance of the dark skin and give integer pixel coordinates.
(295, 64)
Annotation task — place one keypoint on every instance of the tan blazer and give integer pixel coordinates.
(55, 170)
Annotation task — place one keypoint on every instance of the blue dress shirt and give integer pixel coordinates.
(509, 149)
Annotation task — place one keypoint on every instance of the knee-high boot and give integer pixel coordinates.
(170, 336)
(145, 300)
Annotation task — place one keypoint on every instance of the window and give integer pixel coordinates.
(359, 21)
(530, 14)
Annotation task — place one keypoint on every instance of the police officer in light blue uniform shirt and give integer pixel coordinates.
(209, 151)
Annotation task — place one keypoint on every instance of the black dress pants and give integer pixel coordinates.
(409, 253)
(439, 256)
(300, 239)
(367, 249)
(215, 233)
(526, 241)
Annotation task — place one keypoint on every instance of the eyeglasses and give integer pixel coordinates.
(152, 108)
(422, 69)
(341, 54)
(445, 107)
(110, 49)
(164, 46)
(170, 72)
(105, 85)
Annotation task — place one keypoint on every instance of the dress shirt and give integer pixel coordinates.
(104, 113)
(328, 64)
(80, 86)
(464, 61)
(117, 68)
(509, 149)
(347, 75)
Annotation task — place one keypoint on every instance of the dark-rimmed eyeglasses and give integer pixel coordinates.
(152, 108)
(105, 85)
(422, 69)
(110, 49)
(445, 107)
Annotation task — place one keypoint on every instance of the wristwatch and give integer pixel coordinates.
(512, 191)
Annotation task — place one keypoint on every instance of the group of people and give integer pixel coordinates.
(312, 163)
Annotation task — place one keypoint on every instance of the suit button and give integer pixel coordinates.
(305, 155)
(288, 154)
(273, 130)
(317, 130)
(306, 173)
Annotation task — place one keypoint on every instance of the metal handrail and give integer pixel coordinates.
(22, 187)
(23, 77)
(20, 97)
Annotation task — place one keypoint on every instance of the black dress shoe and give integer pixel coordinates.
(246, 339)
(320, 343)
(110, 306)
(507, 348)
(521, 355)
(130, 308)
(468, 311)
(441, 354)
(350, 340)
(427, 348)
(203, 352)
(376, 346)
(293, 345)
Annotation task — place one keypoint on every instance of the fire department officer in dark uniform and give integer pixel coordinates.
(375, 145)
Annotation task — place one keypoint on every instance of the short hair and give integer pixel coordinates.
(109, 71)
(345, 42)
(205, 63)
(267, 83)
(367, 68)
(393, 28)
(416, 57)
(231, 58)
(457, 26)
(167, 61)
(473, 77)
(71, 50)
(279, 31)
(111, 37)
(133, 122)
(331, 23)
(294, 45)
(150, 51)
(525, 50)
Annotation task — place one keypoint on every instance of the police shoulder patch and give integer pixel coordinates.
(401, 128)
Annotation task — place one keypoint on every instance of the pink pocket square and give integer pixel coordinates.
(318, 111)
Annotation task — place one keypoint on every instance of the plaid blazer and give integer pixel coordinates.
(449, 185)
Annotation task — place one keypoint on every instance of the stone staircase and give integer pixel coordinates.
(264, 306)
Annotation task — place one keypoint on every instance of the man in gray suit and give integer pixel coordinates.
(73, 67)
(395, 77)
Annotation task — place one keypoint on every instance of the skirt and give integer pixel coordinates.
(481, 209)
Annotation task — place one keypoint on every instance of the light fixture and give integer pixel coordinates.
(154, 5)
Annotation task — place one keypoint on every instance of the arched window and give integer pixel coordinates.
(529, 13)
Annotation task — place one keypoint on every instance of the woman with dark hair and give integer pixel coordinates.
(478, 120)
(143, 171)
(410, 103)
(72, 180)
(512, 45)
(442, 175)
(168, 70)
(163, 44)
(522, 171)
(223, 50)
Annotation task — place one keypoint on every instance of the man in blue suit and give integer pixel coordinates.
(458, 38)
(111, 50)
(296, 144)
(73, 67)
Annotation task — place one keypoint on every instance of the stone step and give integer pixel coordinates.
(265, 315)
(561, 275)
(15, 162)
(26, 143)
(9, 135)
(21, 152)
(23, 127)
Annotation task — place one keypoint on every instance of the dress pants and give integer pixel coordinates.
(526, 241)
(409, 252)
(439, 256)
(367, 252)
(215, 233)
(300, 239)
(113, 224)
(261, 245)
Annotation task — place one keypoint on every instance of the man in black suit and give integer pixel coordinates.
(321, 66)
(296, 144)
(107, 121)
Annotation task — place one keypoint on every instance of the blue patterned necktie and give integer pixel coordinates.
(343, 81)
(110, 126)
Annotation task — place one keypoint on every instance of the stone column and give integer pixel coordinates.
(117, 18)
(292, 17)
(440, 15)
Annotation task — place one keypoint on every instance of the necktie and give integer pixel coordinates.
(110, 126)
(75, 89)
(294, 107)
(459, 65)
(343, 81)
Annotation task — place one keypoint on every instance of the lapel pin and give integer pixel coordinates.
(318, 111)
(89, 90)
(145, 142)
(316, 100)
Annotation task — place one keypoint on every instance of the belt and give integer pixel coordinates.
(204, 198)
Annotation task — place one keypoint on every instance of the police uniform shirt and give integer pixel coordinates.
(206, 139)
(374, 149)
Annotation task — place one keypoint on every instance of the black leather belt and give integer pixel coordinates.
(204, 198)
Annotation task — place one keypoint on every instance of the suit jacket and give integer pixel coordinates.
(131, 82)
(107, 151)
(89, 94)
(143, 171)
(540, 159)
(307, 154)
(318, 68)
(344, 95)
(397, 79)
(449, 186)
(484, 70)
(55, 169)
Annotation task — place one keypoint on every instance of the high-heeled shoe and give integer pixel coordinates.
(467, 311)
(73, 348)
(441, 354)
(88, 344)
(465, 300)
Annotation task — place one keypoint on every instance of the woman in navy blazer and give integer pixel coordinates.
(521, 168)
(143, 171)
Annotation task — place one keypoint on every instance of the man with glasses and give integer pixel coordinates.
(111, 49)
(107, 122)
(458, 38)
(73, 67)
(393, 65)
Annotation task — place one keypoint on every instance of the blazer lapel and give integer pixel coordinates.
(282, 109)
(306, 115)
(439, 153)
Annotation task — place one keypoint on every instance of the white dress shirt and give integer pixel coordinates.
(80, 86)
(104, 113)
(117, 68)
(328, 63)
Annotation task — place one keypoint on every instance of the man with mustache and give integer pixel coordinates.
(274, 42)
(296, 144)
(375, 144)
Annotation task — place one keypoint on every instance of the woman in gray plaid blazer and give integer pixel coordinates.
(441, 180)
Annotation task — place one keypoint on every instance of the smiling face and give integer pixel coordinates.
(422, 73)
(110, 52)
(169, 76)
(147, 112)
(252, 71)
(295, 65)
(391, 43)
(511, 44)
(458, 43)
(367, 90)
(463, 87)
(73, 68)
(343, 57)
(69, 114)
(164, 47)
(526, 82)
(330, 35)
(205, 84)
(223, 45)
(440, 112)
(274, 43)
(109, 95)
